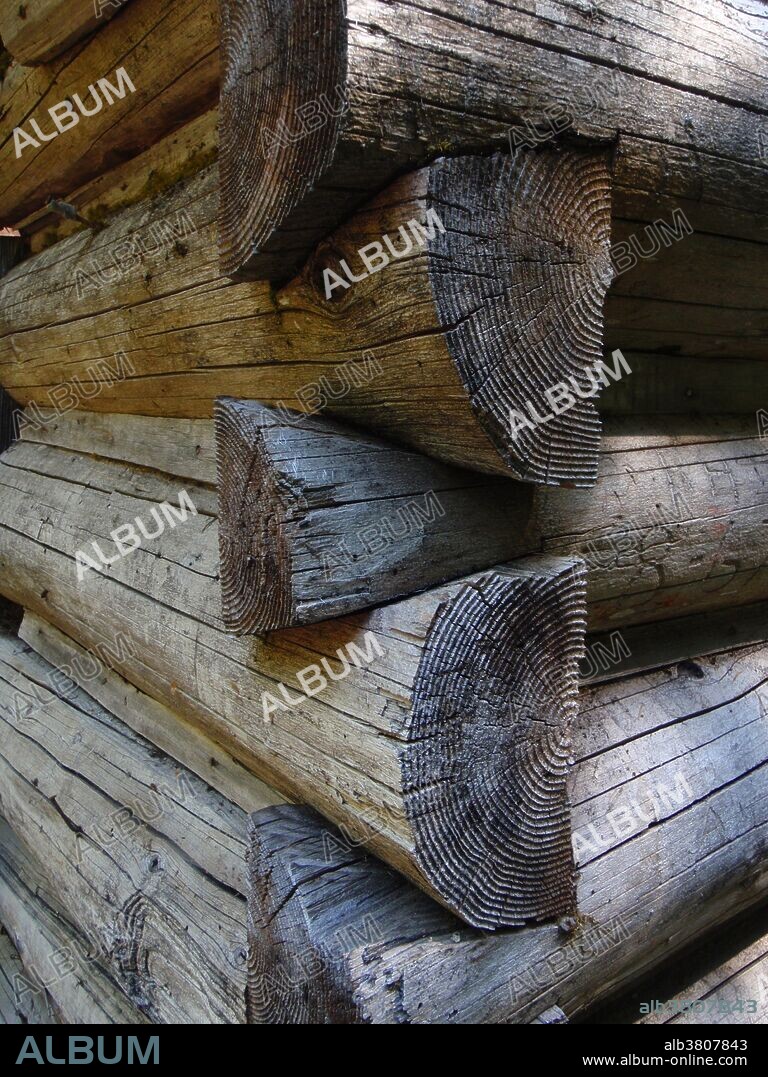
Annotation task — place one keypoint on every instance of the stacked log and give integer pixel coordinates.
(351, 670)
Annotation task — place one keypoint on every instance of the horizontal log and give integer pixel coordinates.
(442, 376)
(145, 859)
(162, 727)
(17, 1008)
(161, 166)
(60, 964)
(348, 95)
(317, 521)
(38, 31)
(672, 528)
(171, 57)
(671, 832)
(674, 386)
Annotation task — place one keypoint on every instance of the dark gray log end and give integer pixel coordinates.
(484, 772)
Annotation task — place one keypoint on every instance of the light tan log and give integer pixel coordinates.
(671, 835)
(145, 859)
(348, 95)
(170, 53)
(441, 375)
(60, 964)
(39, 30)
(359, 750)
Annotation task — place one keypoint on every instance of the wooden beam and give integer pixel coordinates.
(348, 95)
(145, 859)
(19, 1007)
(60, 966)
(169, 54)
(317, 521)
(39, 30)
(442, 375)
(335, 938)
(400, 793)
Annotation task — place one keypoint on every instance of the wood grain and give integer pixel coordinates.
(39, 30)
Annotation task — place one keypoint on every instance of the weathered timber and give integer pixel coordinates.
(171, 56)
(316, 521)
(350, 94)
(19, 1007)
(722, 979)
(367, 752)
(61, 966)
(442, 375)
(144, 856)
(166, 729)
(162, 165)
(671, 836)
(672, 528)
(39, 30)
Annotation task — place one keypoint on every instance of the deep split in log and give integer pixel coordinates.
(671, 772)
(34, 33)
(349, 94)
(10, 415)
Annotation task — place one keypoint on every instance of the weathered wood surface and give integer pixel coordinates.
(316, 520)
(61, 966)
(162, 165)
(39, 30)
(672, 528)
(171, 55)
(723, 979)
(350, 94)
(363, 762)
(144, 856)
(441, 375)
(671, 836)
(164, 728)
(18, 1007)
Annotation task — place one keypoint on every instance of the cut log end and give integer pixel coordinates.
(253, 505)
(280, 63)
(484, 772)
(519, 278)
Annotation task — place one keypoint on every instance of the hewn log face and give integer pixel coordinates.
(169, 53)
(318, 521)
(301, 503)
(720, 980)
(358, 750)
(389, 84)
(38, 30)
(146, 860)
(505, 293)
(49, 942)
(680, 757)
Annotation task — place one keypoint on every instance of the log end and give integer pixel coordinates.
(484, 771)
(254, 505)
(519, 275)
(279, 62)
